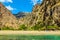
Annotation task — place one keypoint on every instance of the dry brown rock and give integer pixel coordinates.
(6, 18)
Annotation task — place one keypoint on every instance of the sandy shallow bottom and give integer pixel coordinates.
(29, 32)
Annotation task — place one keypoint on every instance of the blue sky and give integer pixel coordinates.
(16, 6)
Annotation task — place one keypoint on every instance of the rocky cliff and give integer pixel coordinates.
(47, 14)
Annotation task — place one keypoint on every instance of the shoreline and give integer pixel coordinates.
(10, 32)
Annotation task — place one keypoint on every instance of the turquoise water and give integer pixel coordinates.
(29, 37)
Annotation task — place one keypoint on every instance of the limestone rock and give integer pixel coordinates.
(6, 18)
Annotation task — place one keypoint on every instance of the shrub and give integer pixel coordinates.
(7, 28)
(37, 27)
(52, 27)
(22, 27)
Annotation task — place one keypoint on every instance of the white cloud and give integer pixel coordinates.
(6, 1)
(41, 1)
(34, 1)
(9, 7)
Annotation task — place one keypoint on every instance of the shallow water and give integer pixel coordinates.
(29, 37)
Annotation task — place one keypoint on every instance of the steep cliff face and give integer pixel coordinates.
(6, 18)
(47, 13)
(56, 13)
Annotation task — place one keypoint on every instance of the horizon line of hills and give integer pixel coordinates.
(44, 16)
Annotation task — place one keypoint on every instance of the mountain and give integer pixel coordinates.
(48, 12)
(21, 14)
(7, 19)
(45, 14)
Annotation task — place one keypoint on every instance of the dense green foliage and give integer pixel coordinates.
(36, 27)
(22, 27)
(6, 28)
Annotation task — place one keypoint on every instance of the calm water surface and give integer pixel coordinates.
(29, 37)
